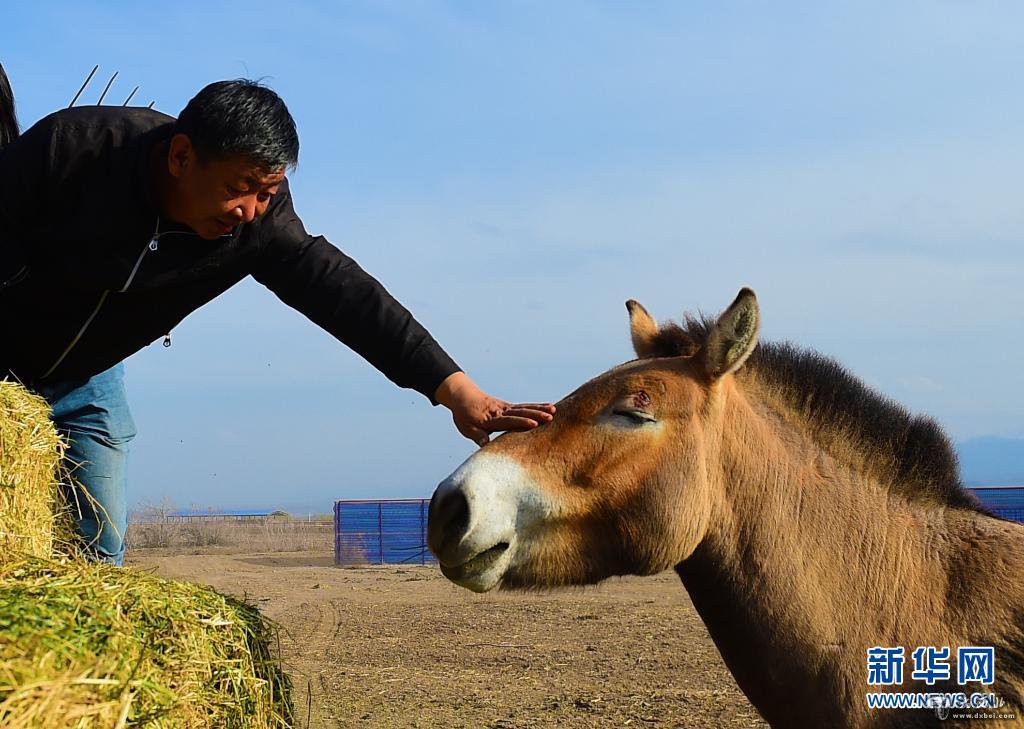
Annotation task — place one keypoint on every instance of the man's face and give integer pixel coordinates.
(213, 196)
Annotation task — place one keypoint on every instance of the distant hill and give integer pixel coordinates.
(992, 461)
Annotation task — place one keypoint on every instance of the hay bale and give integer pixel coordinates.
(30, 458)
(91, 645)
(85, 645)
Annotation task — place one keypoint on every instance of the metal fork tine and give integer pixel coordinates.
(107, 88)
(87, 80)
(130, 96)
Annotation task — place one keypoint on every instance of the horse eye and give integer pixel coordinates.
(637, 416)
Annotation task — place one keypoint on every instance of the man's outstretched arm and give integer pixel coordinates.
(314, 277)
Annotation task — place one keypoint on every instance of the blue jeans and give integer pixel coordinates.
(92, 416)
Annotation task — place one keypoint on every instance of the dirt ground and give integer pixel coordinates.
(399, 646)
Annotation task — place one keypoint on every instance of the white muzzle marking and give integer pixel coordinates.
(504, 502)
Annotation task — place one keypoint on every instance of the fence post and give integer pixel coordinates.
(337, 533)
(380, 530)
(423, 535)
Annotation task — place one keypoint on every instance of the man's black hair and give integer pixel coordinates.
(8, 117)
(241, 117)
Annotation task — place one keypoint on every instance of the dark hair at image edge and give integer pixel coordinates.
(241, 117)
(8, 117)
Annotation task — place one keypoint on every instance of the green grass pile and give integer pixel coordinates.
(91, 645)
(85, 644)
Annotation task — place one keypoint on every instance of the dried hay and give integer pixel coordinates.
(92, 645)
(85, 644)
(30, 458)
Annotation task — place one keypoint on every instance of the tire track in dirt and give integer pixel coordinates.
(403, 647)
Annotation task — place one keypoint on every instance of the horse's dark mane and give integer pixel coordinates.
(910, 453)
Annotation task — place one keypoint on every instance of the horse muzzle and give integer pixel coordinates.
(478, 516)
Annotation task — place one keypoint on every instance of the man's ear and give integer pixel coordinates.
(180, 154)
(642, 329)
(734, 336)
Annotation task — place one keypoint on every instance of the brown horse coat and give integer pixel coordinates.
(809, 518)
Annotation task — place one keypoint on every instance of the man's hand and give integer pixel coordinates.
(477, 414)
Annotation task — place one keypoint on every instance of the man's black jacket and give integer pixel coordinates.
(90, 275)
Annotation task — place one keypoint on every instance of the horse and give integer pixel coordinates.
(810, 519)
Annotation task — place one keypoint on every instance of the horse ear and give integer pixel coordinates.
(734, 335)
(642, 329)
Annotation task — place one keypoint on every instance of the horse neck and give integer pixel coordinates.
(806, 563)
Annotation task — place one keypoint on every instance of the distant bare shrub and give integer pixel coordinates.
(150, 527)
(153, 526)
(205, 533)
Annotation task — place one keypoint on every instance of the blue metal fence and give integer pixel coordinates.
(381, 532)
(1006, 501)
(395, 531)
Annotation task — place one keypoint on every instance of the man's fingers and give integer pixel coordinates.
(545, 406)
(509, 422)
(478, 436)
(521, 411)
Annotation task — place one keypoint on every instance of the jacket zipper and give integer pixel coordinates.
(103, 297)
(152, 245)
(16, 278)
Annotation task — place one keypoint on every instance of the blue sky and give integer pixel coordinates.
(514, 171)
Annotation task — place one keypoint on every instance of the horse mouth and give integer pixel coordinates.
(474, 572)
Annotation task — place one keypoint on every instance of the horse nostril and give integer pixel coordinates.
(455, 510)
(449, 518)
